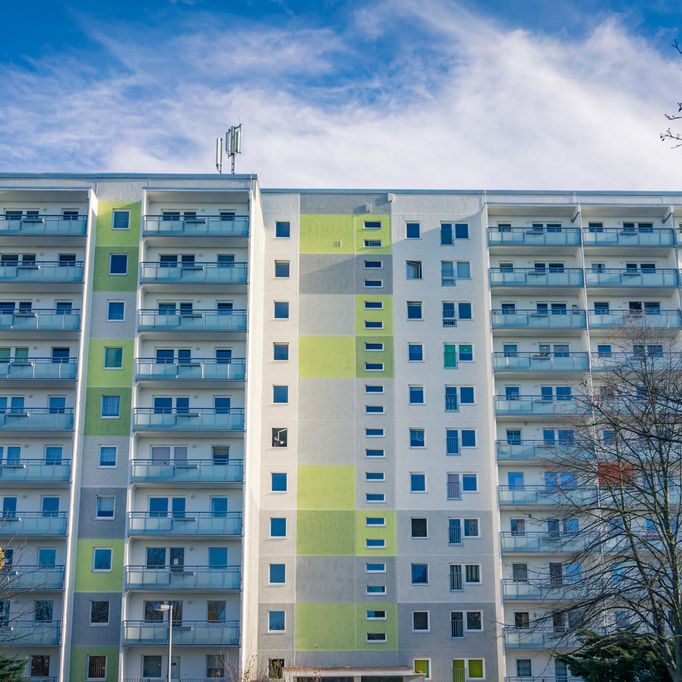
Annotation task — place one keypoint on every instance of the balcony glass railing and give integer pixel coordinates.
(39, 225)
(30, 633)
(545, 589)
(187, 523)
(535, 638)
(196, 273)
(193, 419)
(540, 678)
(619, 277)
(533, 277)
(208, 226)
(533, 319)
(618, 236)
(34, 470)
(537, 495)
(533, 236)
(541, 362)
(32, 578)
(611, 361)
(30, 369)
(183, 578)
(32, 523)
(40, 320)
(663, 319)
(207, 369)
(537, 405)
(191, 471)
(197, 320)
(36, 419)
(41, 271)
(529, 450)
(199, 632)
(543, 542)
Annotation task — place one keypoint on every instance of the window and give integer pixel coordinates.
(105, 505)
(99, 612)
(524, 667)
(374, 388)
(118, 264)
(374, 409)
(412, 231)
(375, 476)
(375, 614)
(373, 305)
(419, 574)
(375, 543)
(423, 666)
(280, 394)
(416, 395)
(111, 406)
(375, 637)
(419, 528)
(97, 667)
(456, 439)
(375, 589)
(101, 558)
(282, 268)
(374, 346)
(469, 483)
(107, 456)
(151, 666)
(280, 351)
(471, 528)
(413, 269)
(415, 352)
(277, 574)
(417, 438)
(373, 265)
(375, 567)
(468, 668)
(375, 497)
(279, 437)
(446, 234)
(113, 357)
(40, 666)
(374, 367)
(374, 433)
(215, 611)
(472, 574)
(281, 310)
(276, 621)
(120, 220)
(414, 310)
(374, 324)
(278, 527)
(278, 482)
(374, 283)
(275, 669)
(375, 521)
(282, 229)
(43, 610)
(372, 224)
(420, 621)
(374, 452)
(372, 243)
(115, 311)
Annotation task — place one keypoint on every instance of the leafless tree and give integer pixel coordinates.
(669, 134)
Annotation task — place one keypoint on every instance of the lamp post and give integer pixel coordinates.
(169, 608)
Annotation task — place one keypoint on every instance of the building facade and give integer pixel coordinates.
(311, 428)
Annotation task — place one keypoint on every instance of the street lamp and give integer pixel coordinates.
(169, 608)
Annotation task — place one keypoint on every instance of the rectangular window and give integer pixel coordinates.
(120, 220)
(451, 402)
(376, 637)
(374, 367)
(446, 234)
(375, 543)
(113, 357)
(420, 621)
(118, 264)
(375, 476)
(373, 305)
(280, 394)
(374, 346)
(101, 558)
(447, 273)
(375, 521)
(415, 352)
(374, 324)
(419, 574)
(97, 667)
(375, 497)
(99, 612)
(464, 310)
(374, 433)
(469, 483)
(107, 456)
(414, 310)
(281, 268)
(373, 265)
(417, 483)
(105, 506)
(375, 567)
(280, 351)
(278, 527)
(374, 283)
(276, 621)
(369, 388)
(419, 528)
(281, 310)
(417, 438)
(374, 409)
(278, 482)
(279, 438)
(423, 666)
(111, 406)
(412, 231)
(461, 231)
(277, 574)
(282, 229)
(372, 224)
(413, 269)
(416, 395)
(374, 452)
(372, 243)
(115, 311)
(449, 356)
(375, 614)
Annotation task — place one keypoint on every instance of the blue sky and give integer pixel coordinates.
(388, 93)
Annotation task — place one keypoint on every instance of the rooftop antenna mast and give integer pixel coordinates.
(233, 146)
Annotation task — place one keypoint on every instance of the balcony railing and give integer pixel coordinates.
(541, 362)
(30, 369)
(35, 471)
(41, 225)
(190, 632)
(191, 471)
(534, 678)
(196, 369)
(197, 320)
(50, 320)
(531, 590)
(41, 271)
(532, 319)
(204, 226)
(617, 236)
(612, 361)
(188, 523)
(526, 405)
(533, 236)
(535, 638)
(532, 277)
(529, 450)
(619, 277)
(183, 578)
(36, 419)
(32, 523)
(537, 495)
(196, 273)
(192, 419)
(663, 319)
(30, 633)
(32, 578)
(546, 543)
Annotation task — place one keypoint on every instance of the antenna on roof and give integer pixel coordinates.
(233, 144)
(219, 154)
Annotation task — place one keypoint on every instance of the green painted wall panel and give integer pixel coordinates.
(325, 533)
(103, 281)
(385, 315)
(386, 533)
(326, 357)
(95, 425)
(98, 375)
(320, 232)
(361, 234)
(88, 580)
(385, 356)
(326, 487)
(106, 236)
(79, 661)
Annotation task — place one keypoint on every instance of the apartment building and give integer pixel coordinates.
(304, 432)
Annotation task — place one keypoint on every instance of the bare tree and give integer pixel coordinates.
(669, 134)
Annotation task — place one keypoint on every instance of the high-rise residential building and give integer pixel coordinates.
(309, 428)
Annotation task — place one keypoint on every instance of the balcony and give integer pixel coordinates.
(193, 419)
(35, 471)
(43, 225)
(536, 638)
(624, 278)
(41, 320)
(540, 678)
(616, 319)
(533, 236)
(22, 633)
(540, 362)
(543, 496)
(39, 369)
(533, 320)
(183, 578)
(188, 523)
(532, 590)
(608, 362)
(33, 523)
(41, 272)
(533, 450)
(618, 236)
(538, 406)
(196, 321)
(191, 471)
(32, 578)
(546, 543)
(196, 369)
(201, 226)
(194, 273)
(536, 277)
(36, 419)
(189, 633)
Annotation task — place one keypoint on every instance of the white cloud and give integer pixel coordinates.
(458, 101)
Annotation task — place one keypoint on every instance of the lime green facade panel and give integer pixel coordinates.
(325, 533)
(387, 533)
(95, 424)
(362, 235)
(99, 375)
(88, 580)
(327, 233)
(326, 357)
(384, 357)
(79, 662)
(106, 235)
(385, 315)
(103, 281)
(326, 487)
